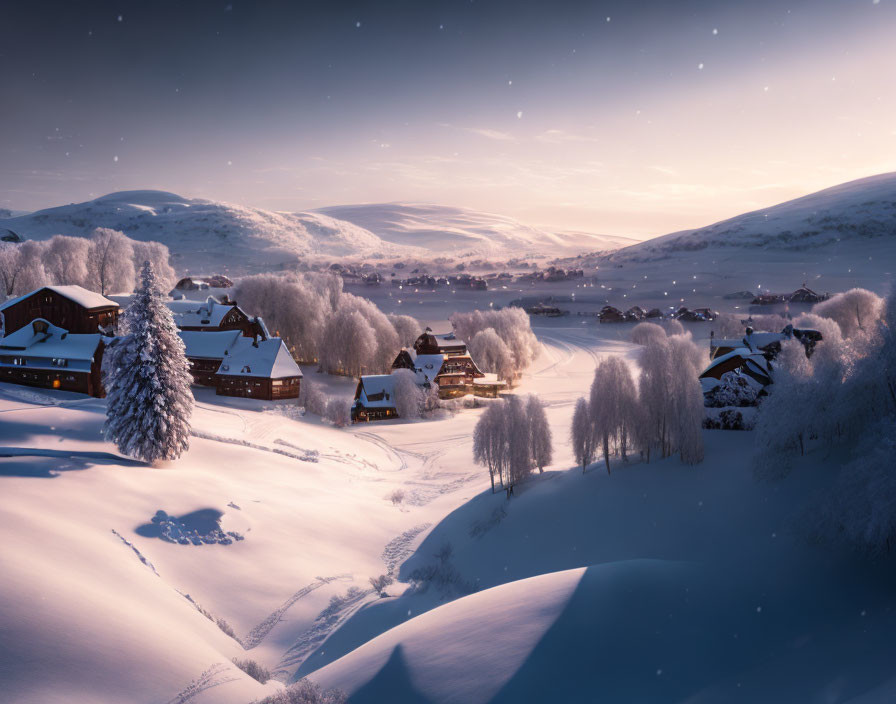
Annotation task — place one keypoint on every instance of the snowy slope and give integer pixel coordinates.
(445, 229)
(850, 215)
(206, 235)
(658, 583)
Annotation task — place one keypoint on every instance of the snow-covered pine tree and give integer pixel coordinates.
(147, 380)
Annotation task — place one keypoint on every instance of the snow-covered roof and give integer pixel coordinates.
(209, 314)
(81, 296)
(427, 366)
(380, 386)
(755, 361)
(51, 343)
(761, 340)
(270, 359)
(209, 345)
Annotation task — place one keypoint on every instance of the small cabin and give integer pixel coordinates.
(72, 308)
(44, 355)
(374, 398)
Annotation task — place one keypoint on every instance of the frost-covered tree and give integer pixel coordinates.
(855, 311)
(147, 380)
(516, 422)
(21, 267)
(406, 327)
(492, 354)
(540, 441)
(407, 394)
(65, 259)
(489, 443)
(339, 411)
(613, 403)
(673, 327)
(349, 344)
(787, 416)
(582, 434)
(643, 333)
(110, 262)
(510, 324)
(158, 255)
(671, 400)
(291, 308)
(861, 509)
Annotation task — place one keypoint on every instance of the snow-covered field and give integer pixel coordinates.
(658, 583)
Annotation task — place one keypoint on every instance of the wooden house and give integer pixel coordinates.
(236, 365)
(374, 398)
(447, 344)
(44, 355)
(72, 308)
(216, 316)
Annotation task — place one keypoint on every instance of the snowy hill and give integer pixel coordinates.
(458, 230)
(208, 235)
(836, 218)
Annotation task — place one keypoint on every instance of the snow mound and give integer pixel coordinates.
(861, 210)
(446, 229)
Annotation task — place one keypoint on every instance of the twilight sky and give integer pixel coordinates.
(634, 118)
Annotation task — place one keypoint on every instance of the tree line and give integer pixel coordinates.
(105, 262)
(660, 414)
(500, 341)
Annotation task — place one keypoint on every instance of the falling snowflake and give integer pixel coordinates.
(519, 114)
(120, 18)
(715, 31)
(115, 158)
(700, 66)
(357, 24)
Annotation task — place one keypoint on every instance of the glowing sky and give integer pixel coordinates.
(634, 118)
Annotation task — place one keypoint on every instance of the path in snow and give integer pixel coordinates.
(259, 632)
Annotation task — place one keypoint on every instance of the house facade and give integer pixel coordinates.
(374, 398)
(73, 308)
(44, 355)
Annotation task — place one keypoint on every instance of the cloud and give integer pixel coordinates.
(487, 132)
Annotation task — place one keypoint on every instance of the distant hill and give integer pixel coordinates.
(857, 211)
(449, 230)
(206, 235)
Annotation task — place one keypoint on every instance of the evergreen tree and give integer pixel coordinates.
(147, 380)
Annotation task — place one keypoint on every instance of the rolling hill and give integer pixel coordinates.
(444, 229)
(858, 211)
(205, 234)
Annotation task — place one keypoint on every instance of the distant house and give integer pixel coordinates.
(241, 366)
(634, 314)
(44, 355)
(609, 314)
(374, 398)
(215, 316)
(804, 294)
(73, 308)
(743, 360)
(447, 343)
(443, 360)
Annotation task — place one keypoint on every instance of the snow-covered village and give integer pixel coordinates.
(447, 352)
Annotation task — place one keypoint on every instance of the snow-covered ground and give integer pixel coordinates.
(660, 582)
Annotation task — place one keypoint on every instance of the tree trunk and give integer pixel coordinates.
(607, 452)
